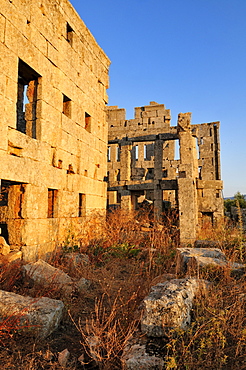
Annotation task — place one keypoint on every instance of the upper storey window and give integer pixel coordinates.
(67, 103)
(70, 34)
(27, 96)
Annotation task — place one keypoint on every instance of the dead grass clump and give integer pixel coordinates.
(217, 337)
(229, 236)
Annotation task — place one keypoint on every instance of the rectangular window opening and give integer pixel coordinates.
(82, 207)
(12, 198)
(52, 203)
(69, 34)
(109, 153)
(118, 175)
(87, 122)
(27, 96)
(66, 106)
(118, 154)
(164, 173)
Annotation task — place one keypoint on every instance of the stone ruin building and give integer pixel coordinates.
(142, 165)
(54, 137)
(53, 132)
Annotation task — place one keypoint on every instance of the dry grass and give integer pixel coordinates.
(128, 253)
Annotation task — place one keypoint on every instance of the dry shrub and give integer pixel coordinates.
(107, 331)
(216, 338)
(228, 235)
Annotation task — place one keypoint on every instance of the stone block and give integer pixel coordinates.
(42, 274)
(197, 258)
(168, 306)
(37, 317)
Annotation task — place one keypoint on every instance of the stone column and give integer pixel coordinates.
(188, 173)
(125, 161)
(126, 200)
(158, 197)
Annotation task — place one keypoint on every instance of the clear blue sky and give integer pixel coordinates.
(187, 54)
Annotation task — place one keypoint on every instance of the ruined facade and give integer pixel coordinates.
(142, 165)
(53, 133)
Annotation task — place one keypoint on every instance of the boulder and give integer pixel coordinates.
(168, 306)
(189, 258)
(45, 275)
(4, 247)
(37, 317)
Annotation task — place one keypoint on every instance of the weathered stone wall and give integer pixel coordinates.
(53, 133)
(142, 165)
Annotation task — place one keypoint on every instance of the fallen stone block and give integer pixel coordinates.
(168, 306)
(193, 258)
(45, 275)
(4, 247)
(37, 317)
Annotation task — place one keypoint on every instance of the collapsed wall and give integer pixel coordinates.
(53, 132)
(143, 165)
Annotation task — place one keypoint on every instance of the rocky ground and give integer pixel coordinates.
(106, 295)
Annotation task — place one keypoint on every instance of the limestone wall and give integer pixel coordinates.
(143, 165)
(53, 132)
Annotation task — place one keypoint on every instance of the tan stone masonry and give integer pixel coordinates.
(53, 132)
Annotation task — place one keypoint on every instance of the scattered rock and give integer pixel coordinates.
(38, 317)
(168, 306)
(192, 258)
(83, 284)
(4, 247)
(76, 261)
(63, 357)
(41, 273)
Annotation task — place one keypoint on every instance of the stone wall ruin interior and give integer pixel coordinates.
(53, 132)
(142, 165)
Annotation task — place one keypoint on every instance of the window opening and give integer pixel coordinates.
(12, 197)
(4, 232)
(66, 106)
(148, 151)
(135, 152)
(176, 151)
(118, 154)
(118, 175)
(109, 153)
(150, 174)
(27, 96)
(118, 200)
(200, 172)
(69, 34)
(82, 208)
(87, 122)
(52, 203)
(164, 173)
